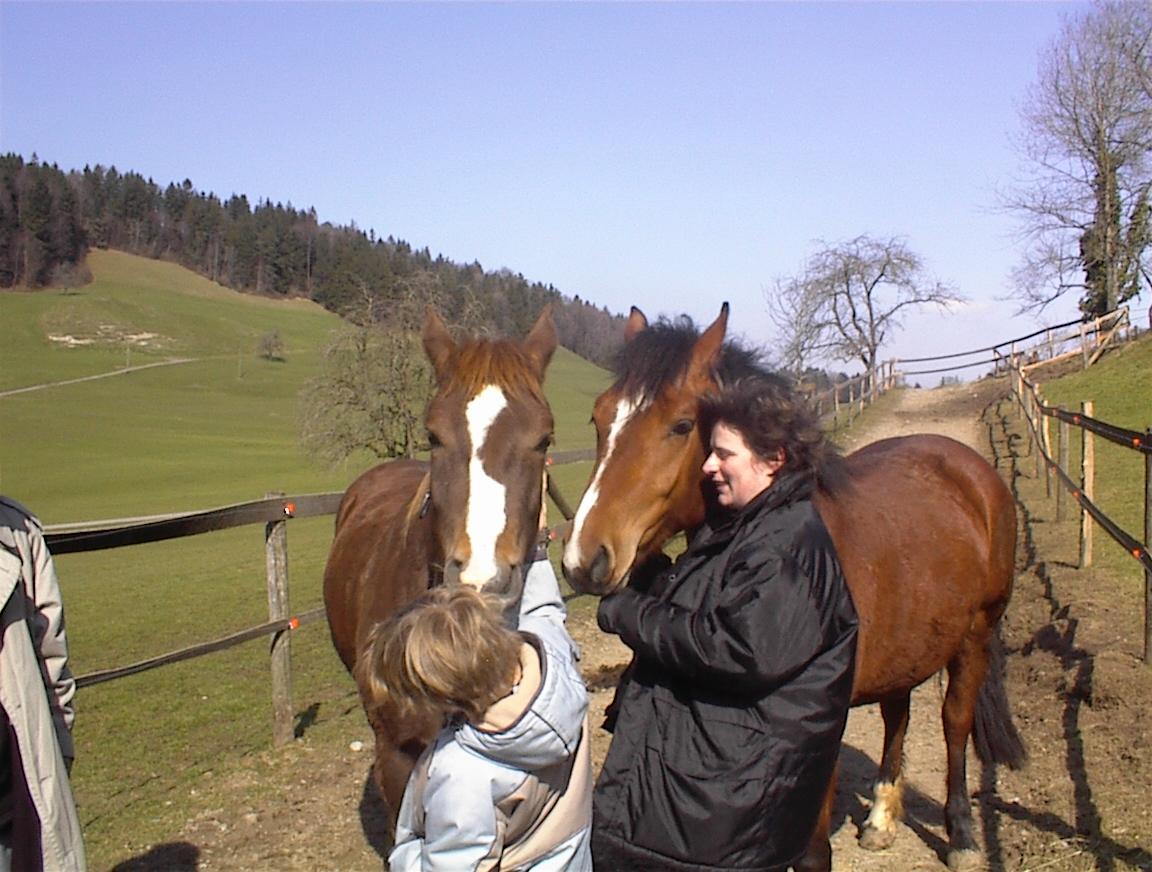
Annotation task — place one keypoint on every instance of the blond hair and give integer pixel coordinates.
(448, 652)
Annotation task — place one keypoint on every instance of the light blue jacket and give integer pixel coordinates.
(515, 799)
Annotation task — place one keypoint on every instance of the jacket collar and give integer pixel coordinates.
(721, 526)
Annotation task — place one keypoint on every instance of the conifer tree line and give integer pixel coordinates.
(49, 218)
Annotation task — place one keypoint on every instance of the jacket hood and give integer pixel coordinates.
(549, 729)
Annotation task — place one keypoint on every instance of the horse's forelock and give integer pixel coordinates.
(655, 357)
(497, 362)
(660, 355)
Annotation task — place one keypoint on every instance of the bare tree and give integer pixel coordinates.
(271, 346)
(1083, 202)
(848, 300)
(375, 381)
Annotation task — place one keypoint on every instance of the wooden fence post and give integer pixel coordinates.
(276, 563)
(1065, 434)
(1033, 407)
(1087, 484)
(1147, 543)
(1046, 433)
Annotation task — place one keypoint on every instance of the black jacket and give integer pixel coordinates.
(729, 724)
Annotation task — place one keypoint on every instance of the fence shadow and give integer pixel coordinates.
(169, 857)
(1057, 637)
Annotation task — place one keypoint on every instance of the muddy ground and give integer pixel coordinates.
(1080, 694)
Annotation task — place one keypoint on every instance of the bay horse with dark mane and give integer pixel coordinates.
(470, 515)
(924, 527)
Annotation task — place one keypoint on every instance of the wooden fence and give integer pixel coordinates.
(274, 511)
(842, 403)
(1037, 414)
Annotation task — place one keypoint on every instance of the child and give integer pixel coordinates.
(507, 783)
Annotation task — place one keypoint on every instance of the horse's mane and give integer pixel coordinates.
(477, 363)
(659, 356)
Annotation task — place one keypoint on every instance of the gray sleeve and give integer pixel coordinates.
(49, 637)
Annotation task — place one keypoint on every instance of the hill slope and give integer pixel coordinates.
(217, 429)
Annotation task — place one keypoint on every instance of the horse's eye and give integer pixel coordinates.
(434, 440)
(683, 427)
(544, 444)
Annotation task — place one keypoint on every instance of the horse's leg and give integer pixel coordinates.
(966, 673)
(879, 831)
(818, 856)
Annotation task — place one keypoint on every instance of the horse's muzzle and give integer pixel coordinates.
(595, 578)
(507, 583)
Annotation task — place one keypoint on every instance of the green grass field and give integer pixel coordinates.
(219, 429)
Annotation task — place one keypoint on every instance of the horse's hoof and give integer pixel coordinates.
(875, 839)
(965, 861)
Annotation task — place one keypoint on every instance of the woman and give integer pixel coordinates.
(728, 728)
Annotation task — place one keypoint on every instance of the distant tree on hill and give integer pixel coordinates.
(272, 346)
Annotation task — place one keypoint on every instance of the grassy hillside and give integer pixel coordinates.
(218, 429)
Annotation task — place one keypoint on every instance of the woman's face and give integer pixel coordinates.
(737, 473)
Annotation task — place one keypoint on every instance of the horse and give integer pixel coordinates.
(469, 515)
(924, 528)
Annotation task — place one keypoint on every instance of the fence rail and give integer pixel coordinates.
(97, 535)
(274, 511)
(1037, 413)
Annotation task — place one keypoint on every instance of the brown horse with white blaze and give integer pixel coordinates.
(924, 527)
(470, 515)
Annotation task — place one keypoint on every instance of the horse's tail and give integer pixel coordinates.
(994, 735)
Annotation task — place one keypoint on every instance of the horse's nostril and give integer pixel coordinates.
(452, 572)
(601, 568)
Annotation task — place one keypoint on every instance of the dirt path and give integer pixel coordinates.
(1079, 694)
(124, 371)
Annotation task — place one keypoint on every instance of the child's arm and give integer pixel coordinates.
(541, 597)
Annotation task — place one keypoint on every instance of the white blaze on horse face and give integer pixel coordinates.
(625, 409)
(486, 496)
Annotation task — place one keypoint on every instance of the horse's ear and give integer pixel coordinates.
(438, 343)
(706, 351)
(637, 323)
(541, 341)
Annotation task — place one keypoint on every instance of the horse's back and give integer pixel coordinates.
(926, 532)
(379, 555)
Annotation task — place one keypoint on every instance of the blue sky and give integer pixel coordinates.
(669, 156)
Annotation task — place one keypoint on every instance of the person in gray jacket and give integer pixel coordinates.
(39, 828)
(507, 782)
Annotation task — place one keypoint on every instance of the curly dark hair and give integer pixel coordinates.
(770, 415)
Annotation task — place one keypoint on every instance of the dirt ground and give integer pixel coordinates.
(1078, 689)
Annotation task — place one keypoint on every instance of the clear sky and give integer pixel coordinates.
(669, 156)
